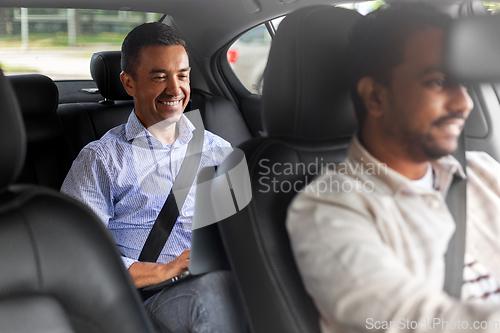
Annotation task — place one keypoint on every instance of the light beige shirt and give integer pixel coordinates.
(370, 245)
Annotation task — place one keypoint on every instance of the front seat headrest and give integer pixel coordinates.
(37, 94)
(305, 92)
(105, 69)
(38, 99)
(12, 134)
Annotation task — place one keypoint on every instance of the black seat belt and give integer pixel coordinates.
(170, 211)
(456, 200)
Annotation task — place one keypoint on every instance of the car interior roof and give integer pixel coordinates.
(221, 19)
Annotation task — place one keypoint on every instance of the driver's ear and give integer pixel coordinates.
(373, 95)
(128, 83)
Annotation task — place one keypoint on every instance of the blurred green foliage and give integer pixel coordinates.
(60, 39)
(379, 4)
(49, 26)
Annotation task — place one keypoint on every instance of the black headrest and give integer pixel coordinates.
(12, 135)
(305, 92)
(472, 49)
(105, 69)
(37, 94)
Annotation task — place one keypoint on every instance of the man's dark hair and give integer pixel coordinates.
(144, 35)
(377, 44)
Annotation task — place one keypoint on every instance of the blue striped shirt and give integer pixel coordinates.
(126, 176)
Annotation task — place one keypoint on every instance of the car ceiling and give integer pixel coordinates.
(221, 20)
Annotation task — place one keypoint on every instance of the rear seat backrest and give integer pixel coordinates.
(222, 117)
(86, 122)
(46, 156)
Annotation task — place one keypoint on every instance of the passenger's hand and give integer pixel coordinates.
(177, 266)
(146, 274)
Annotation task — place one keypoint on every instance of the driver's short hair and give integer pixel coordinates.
(144, 35)
(377, 44)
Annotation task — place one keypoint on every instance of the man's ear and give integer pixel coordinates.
(128, 83)
(373, 95)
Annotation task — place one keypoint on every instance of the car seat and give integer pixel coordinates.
(308, 116)
(46, 156)
(60, 269)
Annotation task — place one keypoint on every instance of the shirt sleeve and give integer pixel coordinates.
(128, 261)
(89, 181)
(219, 148)
(357, 281)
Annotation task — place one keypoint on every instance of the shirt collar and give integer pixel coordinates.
(445, 168)
(135, 129)
(186, 129)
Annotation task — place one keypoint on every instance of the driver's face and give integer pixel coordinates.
(425, 110)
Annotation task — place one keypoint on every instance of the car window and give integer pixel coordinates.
(60, 42)
(248, 55)
(364, 7)
(492, 7)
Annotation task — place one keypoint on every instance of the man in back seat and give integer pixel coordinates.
(126, 176)
(370, 239)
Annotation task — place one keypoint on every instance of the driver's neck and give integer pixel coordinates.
(395, 156)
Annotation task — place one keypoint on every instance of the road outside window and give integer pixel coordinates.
(60, 42)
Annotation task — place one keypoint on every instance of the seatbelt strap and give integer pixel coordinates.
(170, 211)
(456, 200)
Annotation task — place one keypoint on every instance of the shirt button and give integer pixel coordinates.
(434, 204)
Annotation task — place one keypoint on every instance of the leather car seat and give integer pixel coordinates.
(308, 116)
(46, 161)
(60, 270)
(86, 122)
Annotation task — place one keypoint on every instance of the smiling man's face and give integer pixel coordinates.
(161, 85)
(425, 111)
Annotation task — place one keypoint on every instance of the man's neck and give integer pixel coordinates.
(394, 157)
(165, 132)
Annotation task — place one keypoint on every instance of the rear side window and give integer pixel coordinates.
(492, 7)
(60, 42)
(248, 55)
